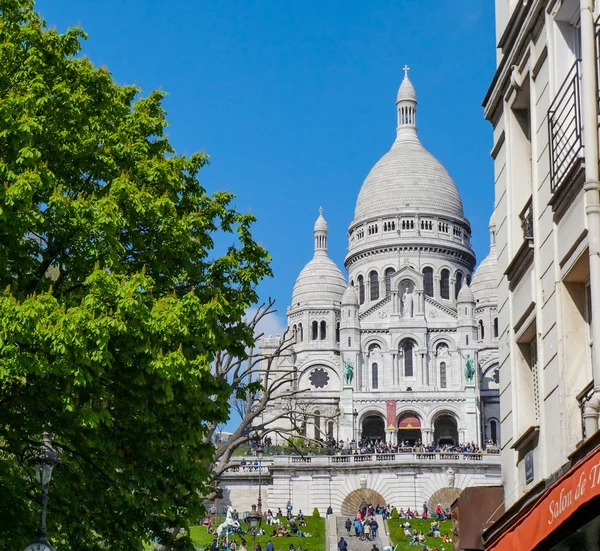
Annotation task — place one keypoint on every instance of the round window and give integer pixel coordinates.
(319, 378)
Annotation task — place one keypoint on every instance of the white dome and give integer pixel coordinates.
(350, 298)
(485, 279)
(408, 177)
(465, 294)
(320, 281)
(406, 92)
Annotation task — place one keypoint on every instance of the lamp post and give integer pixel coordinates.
(354, 416)
(254, 519)
(259, 452)
(45, 458)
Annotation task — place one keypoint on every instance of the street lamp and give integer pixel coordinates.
(44, 459)
(259, 452)
(354, 416)
(254, 519)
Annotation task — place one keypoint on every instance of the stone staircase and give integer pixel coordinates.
(354, 544)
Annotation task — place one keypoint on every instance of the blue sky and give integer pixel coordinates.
(294, 101)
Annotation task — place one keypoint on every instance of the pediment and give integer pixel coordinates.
(436, 311)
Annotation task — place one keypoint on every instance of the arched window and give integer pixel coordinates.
(361, 290)
(445, 284)
(301, 331)
(349, 342)
(481, 330)
(375, 373)
(468, 279)
(388, 280)
(374, 285)
(495, 328)
(315, 330)
(428, 281)
(493, 431)
(295, 333)
(407, 351)
(443, 375)
(337, 332)
(317, 425)
(459, 282)
(323, 330)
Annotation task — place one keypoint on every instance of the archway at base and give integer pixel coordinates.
(445, 496)
(354, 499)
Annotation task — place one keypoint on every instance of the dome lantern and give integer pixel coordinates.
(406, 105)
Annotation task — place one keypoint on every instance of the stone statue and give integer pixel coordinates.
(450, 477)
(348, 372)
(469, 369)
(407, 303)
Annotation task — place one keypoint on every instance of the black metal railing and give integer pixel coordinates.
(564, 126)
(526, 217)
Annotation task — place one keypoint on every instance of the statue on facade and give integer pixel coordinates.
(450, 477)
(469, 369)
(407, 304)
(348, 372)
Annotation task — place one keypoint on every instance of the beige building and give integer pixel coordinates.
(543, 105)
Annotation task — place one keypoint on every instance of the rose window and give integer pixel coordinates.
(319, 378)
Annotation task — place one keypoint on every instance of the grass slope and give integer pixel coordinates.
(398, 537)
(315, 526)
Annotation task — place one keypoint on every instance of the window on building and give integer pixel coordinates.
(407, 352)
(349, 342)
(301, 331)
(375, 374)
(337, 332)
(374, 285)
(459, 282)
(428, 281)
(481, 331)
(445, 284)
(323, 330)
(467, 340)
(317, 425)
(493, 431)
(495, 328)
(361, 290)
(443, 375)
(315, 330)
(295, 333)
(388, 280)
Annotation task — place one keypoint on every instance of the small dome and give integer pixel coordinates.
(485, 280)
(350, 298)
(320, 281)
(406, 91)
(465, 294)
(320, 224)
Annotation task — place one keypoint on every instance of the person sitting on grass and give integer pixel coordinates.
(300, 515)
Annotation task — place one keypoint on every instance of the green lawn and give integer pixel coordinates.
(398, 537)
(315, 526)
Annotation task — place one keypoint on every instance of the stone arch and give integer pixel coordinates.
(334, 377)
(441, 410)
(445, 429)
(445, 339)
(444, 496)
(412, 434)
(375, 340)
(353, 501)
(372, 425)
(408, 336)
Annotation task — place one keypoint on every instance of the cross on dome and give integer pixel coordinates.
(406, 68)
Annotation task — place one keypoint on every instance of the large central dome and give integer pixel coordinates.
(408, 177)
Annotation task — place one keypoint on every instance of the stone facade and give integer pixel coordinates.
(407, 320)
(543, 107)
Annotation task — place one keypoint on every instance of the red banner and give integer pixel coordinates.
(560, 501)
(391, 414)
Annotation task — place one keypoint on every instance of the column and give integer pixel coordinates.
(436, 287)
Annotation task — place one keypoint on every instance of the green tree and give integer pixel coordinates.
(113, 299)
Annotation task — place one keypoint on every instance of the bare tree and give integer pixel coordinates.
(264, 392)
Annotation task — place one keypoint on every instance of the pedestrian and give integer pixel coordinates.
(367, 530)
(342, 544)
(270, 546)
(348, 525)
(243, 546)
(329, 510)
(375, 548)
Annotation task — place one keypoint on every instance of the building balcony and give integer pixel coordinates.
(565, 133)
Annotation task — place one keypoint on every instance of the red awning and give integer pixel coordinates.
(409, 422)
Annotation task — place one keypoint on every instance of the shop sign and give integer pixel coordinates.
(558, 503)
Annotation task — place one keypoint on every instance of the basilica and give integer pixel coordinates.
(402, 349)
